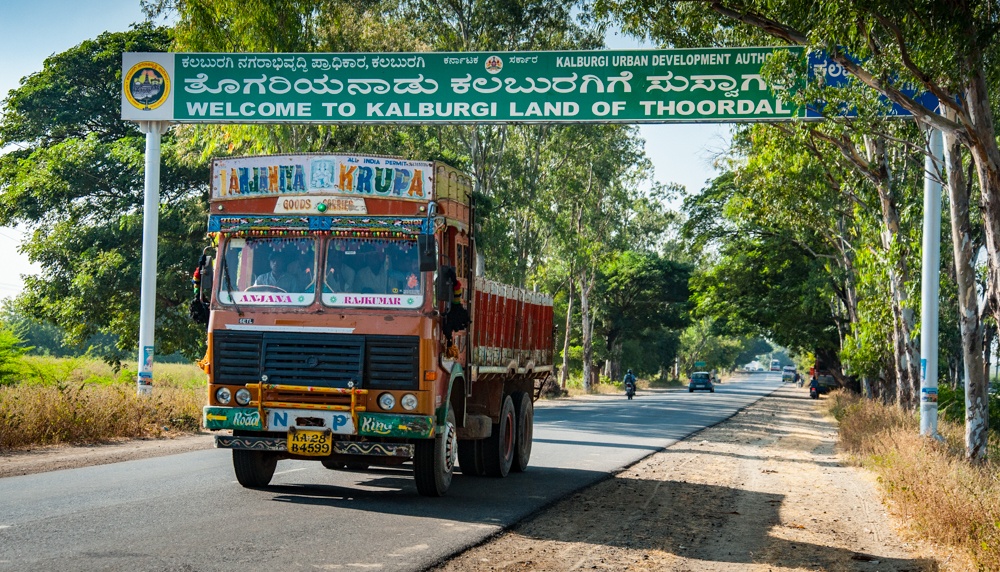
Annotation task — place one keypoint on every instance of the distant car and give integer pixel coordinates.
(788, 374)
(701, 380)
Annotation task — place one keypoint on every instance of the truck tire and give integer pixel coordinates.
(470, 457)
(498, 448)
(525, 413)
(254, 469)
(434, 459)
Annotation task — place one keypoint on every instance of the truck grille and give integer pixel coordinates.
(319, 360)
(392, 362)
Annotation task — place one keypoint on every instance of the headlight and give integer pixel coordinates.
(223, 395)
(386, 401)
(243, 396)
(409, 402)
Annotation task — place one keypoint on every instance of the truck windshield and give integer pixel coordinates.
(373, 273)
(268, 271)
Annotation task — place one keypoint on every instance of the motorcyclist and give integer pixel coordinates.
(629, 381)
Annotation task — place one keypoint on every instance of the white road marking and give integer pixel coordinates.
(290, 471)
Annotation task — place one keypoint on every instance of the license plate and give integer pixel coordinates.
(310, 443)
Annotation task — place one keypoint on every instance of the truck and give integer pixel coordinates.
(349, 322)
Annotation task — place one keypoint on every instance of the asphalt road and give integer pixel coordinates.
(186, 512)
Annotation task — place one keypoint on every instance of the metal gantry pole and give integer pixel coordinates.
(150, 228)
(930, 285)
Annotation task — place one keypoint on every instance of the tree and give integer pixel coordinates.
(11, 349)
(643, 296)
(75, 180)
(946, 48)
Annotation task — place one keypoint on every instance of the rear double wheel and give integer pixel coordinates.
(470, 457)
(498, 448)
(525, 415)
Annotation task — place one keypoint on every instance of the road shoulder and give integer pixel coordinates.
(765, 490)
(55, 458)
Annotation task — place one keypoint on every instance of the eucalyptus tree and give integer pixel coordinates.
(887, 156)
(589, 211)
(965, 250)
(517, 167)
(75, 179)
(946, 48)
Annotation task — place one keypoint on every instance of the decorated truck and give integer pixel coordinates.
(347, 322)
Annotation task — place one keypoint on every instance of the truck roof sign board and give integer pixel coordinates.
(606, 86)
(356, 176)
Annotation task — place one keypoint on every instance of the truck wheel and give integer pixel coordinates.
(498, 449)
(434, 460)
(254, 469)
(470, 457)
(525, 422)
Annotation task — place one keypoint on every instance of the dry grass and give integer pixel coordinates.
(85, 401)
(929, 485)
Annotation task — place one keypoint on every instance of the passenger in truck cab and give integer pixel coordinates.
(372, 277)
(404, 271)
(340, 268)
(301, 272)
(279, 276)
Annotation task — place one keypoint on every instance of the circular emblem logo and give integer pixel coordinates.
(494, 64)
(147, 85)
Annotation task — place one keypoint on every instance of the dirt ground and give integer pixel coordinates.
(764, 491)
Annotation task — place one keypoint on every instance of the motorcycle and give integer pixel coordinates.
(630, 390)
(813, 392)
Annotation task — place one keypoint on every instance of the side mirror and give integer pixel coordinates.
(427, 251)
(207, 279)
(446, 285)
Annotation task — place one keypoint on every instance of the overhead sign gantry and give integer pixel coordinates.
(623, 86)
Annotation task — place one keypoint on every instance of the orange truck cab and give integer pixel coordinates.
(342, 326)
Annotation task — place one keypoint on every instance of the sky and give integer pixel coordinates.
(32, 30)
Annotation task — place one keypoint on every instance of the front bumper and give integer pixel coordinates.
(362, 424)
(280, 445)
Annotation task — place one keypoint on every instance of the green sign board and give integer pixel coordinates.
(700, 364)
(626, 86)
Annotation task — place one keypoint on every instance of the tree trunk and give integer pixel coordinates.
(586, 285)
(986, 154)
(976, 383)
(615, 361)
(907, 352)
(564, 374)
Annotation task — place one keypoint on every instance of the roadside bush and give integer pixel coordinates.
(85, 401)
(928, 484)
